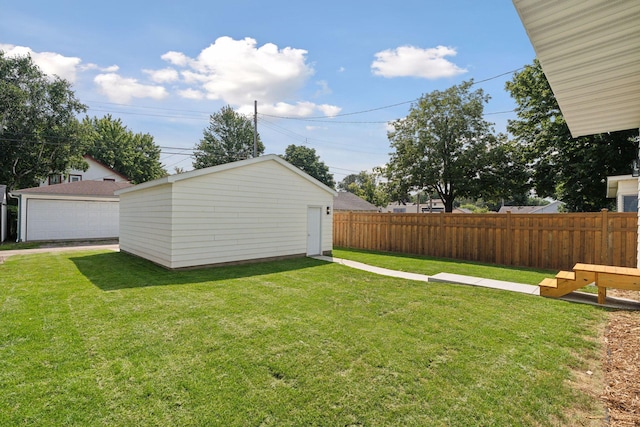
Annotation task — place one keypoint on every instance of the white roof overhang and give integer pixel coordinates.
(590, 53)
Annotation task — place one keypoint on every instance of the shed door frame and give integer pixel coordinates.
(314, 230)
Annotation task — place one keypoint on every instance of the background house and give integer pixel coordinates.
(349, 202)
(553, 207)
(95, 172)
(625, 190)
(256, 209)
(71, 206)
(434, 206)
(70, 211)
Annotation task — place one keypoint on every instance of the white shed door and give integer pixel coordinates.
(314, 231)
(71, 219)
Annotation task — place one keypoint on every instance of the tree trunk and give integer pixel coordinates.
(448, 204)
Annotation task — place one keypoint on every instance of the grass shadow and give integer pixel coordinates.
(115, 270)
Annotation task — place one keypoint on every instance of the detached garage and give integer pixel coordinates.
(258, 209)
(71, 211)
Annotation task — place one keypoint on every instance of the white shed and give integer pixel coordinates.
(257, 209)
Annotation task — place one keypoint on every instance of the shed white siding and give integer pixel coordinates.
(255, 211)
(145, 223)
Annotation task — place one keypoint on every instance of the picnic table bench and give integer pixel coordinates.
(602, 276)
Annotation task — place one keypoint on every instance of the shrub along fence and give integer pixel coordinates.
(549, 241)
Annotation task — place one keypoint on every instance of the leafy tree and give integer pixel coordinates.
(474, 208)
(366, 186)
(39, 132)
(572, 170)
(228, 138)
(506, 178)
(442, 145)
(135, 156)
(306, 159)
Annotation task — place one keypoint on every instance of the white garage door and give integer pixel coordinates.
(71, 219)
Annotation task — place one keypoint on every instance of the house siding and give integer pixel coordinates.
(95, 172)
(251, 212)
(626, 188)
(145, 220)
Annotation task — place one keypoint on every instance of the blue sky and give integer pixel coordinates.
(163, 67)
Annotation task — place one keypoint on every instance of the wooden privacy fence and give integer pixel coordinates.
(548, 241)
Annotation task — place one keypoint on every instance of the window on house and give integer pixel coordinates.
(630, 203)
(109, 179)
(75, 178)
(55, 179)
(399, 210)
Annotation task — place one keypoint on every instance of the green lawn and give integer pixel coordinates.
(106, 339)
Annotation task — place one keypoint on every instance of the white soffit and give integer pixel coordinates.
(590, 52)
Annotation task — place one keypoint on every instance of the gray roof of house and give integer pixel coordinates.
(551, 207)
(79, 188)
(346, 201)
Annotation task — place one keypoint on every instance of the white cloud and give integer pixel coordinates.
(389, 127)
(299, 109)
(410, 61)
(191, 94)
(50, 63)
(313, 128)
(324, 88)
(91, 66)
(166, 75)
(329, 110)
(239, 72)
(176, 58)
(120, 89)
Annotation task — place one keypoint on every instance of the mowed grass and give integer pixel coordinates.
(430, 266)
(107, 339)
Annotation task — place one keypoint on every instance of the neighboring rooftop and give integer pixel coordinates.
(346, 201)
(553, 207)
(79, 188)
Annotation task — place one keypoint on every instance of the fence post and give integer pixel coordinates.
(604, 254)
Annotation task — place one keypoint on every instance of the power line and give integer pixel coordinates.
(207, 113)
(386, 106)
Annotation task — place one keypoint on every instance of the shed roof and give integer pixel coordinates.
(346, 201)
(224, 167)
(590, 53)
(79, 188)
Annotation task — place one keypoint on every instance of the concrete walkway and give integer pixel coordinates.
(440, 277)
(579, 297)
(485, 283)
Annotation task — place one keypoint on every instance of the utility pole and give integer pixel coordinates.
(255, 128)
